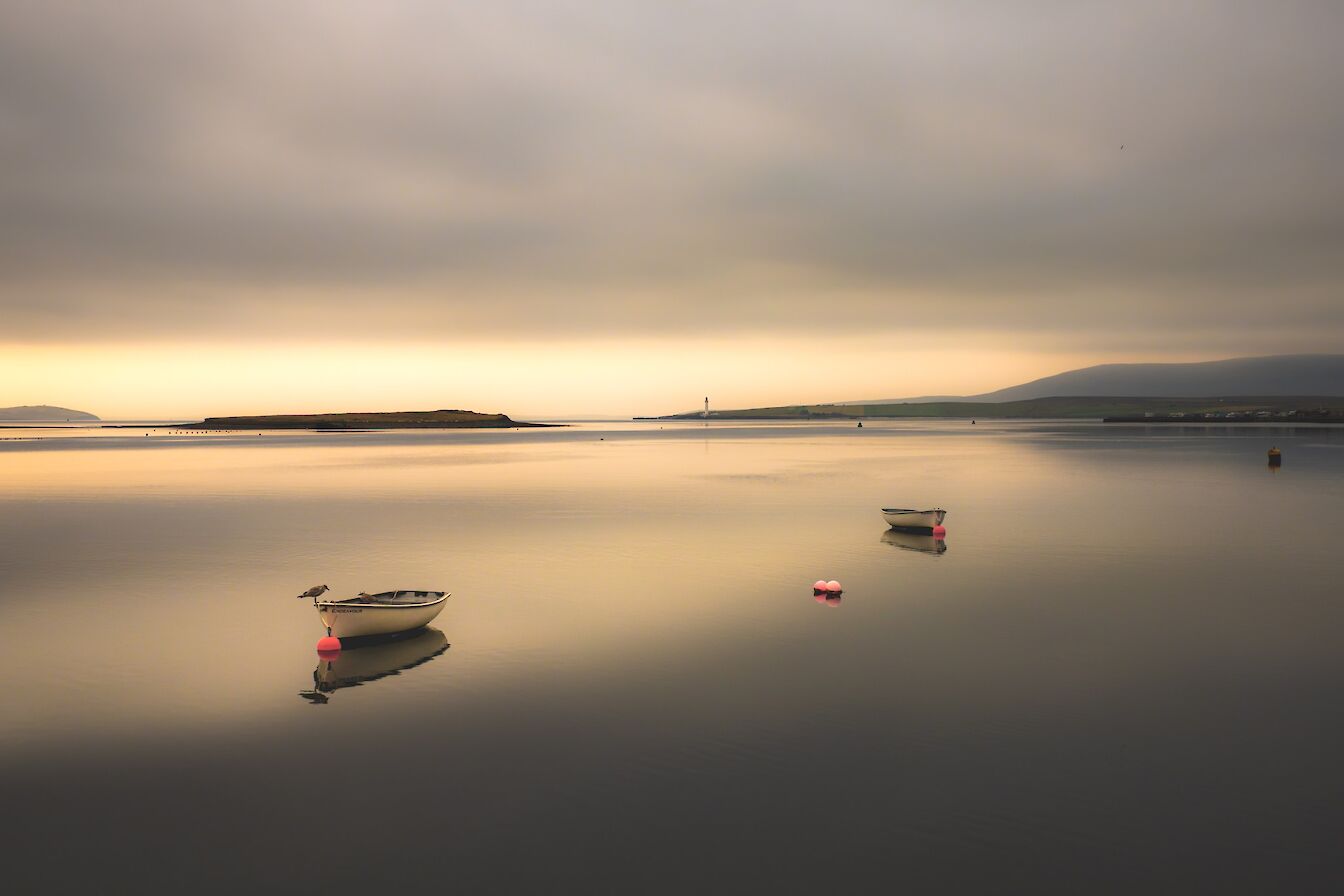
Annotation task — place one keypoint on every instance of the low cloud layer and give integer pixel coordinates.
(426, 170)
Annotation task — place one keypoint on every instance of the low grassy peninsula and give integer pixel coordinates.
(445, 419)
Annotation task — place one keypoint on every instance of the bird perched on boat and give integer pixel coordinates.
(315, 591)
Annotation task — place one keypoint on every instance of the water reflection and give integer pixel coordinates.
(372, 660)
(1038, 734)
(915, 541)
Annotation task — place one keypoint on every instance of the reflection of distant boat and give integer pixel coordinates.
(901, 518)
(379, 614)
(914, 541)
(354, 666)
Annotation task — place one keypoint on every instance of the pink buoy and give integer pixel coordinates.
(818, 586)
(833, 586)
(939, 531)
(328, 645)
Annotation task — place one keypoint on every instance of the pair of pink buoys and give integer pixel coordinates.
(831, 586)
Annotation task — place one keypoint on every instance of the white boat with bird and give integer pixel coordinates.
(902, 518)
(384, 613)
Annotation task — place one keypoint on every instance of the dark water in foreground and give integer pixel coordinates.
(1123, 675)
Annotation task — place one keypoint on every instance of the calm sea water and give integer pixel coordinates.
(1122, 674)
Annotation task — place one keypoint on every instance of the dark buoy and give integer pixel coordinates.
(860, 424)
(1275, 457)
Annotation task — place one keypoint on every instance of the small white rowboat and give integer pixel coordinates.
(899, 518)
(379, 614)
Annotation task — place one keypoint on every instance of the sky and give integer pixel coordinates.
(551, 208)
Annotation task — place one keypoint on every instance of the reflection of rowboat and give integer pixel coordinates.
(899, 518)
(354, 666)
(379, 614)
(914, 541)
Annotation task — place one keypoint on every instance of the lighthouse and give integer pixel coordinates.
(706, 413)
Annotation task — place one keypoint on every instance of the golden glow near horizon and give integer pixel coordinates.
(526, 379)
(620, 207)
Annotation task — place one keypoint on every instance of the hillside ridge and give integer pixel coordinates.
(44, 413)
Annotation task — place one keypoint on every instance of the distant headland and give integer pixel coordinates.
(44, 413)
(1243, 409)
(1300, 388)
(443, 419)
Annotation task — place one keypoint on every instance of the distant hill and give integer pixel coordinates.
(444, 419)
(1238, 409)
(1270, 375)
(1296, 387)
(43, 413)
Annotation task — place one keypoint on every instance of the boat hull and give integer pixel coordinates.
(900, 518)
(349, 619)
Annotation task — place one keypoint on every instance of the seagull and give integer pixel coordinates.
(315, 591)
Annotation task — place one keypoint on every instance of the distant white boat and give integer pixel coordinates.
(900, 518)
(384, 613)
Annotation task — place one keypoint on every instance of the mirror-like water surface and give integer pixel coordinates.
(1119, 672)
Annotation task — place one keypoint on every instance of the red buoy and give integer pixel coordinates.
(818, 586)
(833, 586)
(939, 531)
(328, 645)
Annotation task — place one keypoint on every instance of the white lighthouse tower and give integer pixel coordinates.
(706, 412)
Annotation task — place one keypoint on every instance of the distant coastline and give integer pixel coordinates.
(1302, 387)
(1232, 409)
(442, 419)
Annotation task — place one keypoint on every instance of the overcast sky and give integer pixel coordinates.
(1038, 184)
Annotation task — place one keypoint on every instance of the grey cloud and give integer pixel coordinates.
(405, 169)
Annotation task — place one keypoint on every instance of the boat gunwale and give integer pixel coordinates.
(356, 602)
